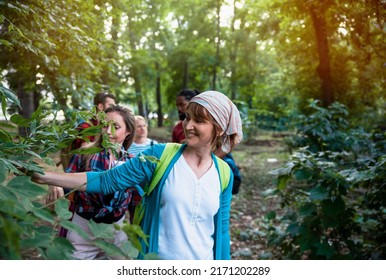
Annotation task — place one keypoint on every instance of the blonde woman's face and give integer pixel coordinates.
(116, 128)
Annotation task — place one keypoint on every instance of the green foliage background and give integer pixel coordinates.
(271, 57)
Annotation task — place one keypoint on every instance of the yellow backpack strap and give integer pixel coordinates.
(225, 173)
(169, 152)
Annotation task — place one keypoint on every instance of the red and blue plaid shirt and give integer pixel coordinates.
(77, 143)
(99, 207)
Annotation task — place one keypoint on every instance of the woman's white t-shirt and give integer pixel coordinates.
(188, 207)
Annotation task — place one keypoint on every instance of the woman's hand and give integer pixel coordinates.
(37, 177)
(54, 193)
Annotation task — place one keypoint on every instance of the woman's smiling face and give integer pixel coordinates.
(199, 131)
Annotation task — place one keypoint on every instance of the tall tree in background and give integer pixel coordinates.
(317, 12)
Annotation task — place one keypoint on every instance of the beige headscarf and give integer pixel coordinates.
(225, 112)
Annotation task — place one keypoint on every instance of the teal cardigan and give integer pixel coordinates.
(138, 172)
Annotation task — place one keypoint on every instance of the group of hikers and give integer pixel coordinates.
(185, 196)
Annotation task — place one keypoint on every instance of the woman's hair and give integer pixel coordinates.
(201, 114)
(139, 117)
(188, 94)
(101, 98)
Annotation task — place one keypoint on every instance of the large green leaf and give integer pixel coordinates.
(61, 208)
(23, 186)
(109, 248)
(9, 95)
(20, 121)
(3, 173)
(44, 214)
(319, 193)
(307, 209)
(101, 230)
(59, 249)
(74, 227)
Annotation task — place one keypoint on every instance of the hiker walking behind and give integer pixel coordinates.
(141, 141)
(182, 101)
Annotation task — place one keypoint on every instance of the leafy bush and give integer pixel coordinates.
(332, 191)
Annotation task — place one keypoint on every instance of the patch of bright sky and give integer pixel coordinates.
(226, 13)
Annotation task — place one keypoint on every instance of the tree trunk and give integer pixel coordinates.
(324, 70)
(185, 81)
(217, 56)
(27, 105)
(158, 95)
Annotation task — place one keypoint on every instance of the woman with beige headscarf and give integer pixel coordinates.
(187, 208)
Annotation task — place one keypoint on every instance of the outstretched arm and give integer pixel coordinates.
(64, 180)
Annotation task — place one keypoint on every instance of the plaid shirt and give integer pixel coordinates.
(77, 143)
(101, 208)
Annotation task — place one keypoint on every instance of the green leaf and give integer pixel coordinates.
(109, 248)
(324, 249)
(129, 249)
(87, 151)
(61, 209)
(7, 194)
(150, 158)
(270, 215)
(74, 227)
(333, 208)
(135, 233)
(319, 193)
(23, 186)
(100, 230)
(307, 209)
(9, 95)
(12, 208)
(6, 43)
(60, 249)
(293, 229)
(37, 239)
(3, 173)
(302, 174)
(151, 256)
(283, 171)
(43, 214)
(8, 125)
(10, 242)
(19, 120)
(5, 136)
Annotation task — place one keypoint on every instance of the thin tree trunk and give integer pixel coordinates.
(185, 81)
(158, 95)
(324, 70)
(27, 105)
(217, 56)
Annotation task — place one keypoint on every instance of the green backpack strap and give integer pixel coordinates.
(225, 173)
(169, 152)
